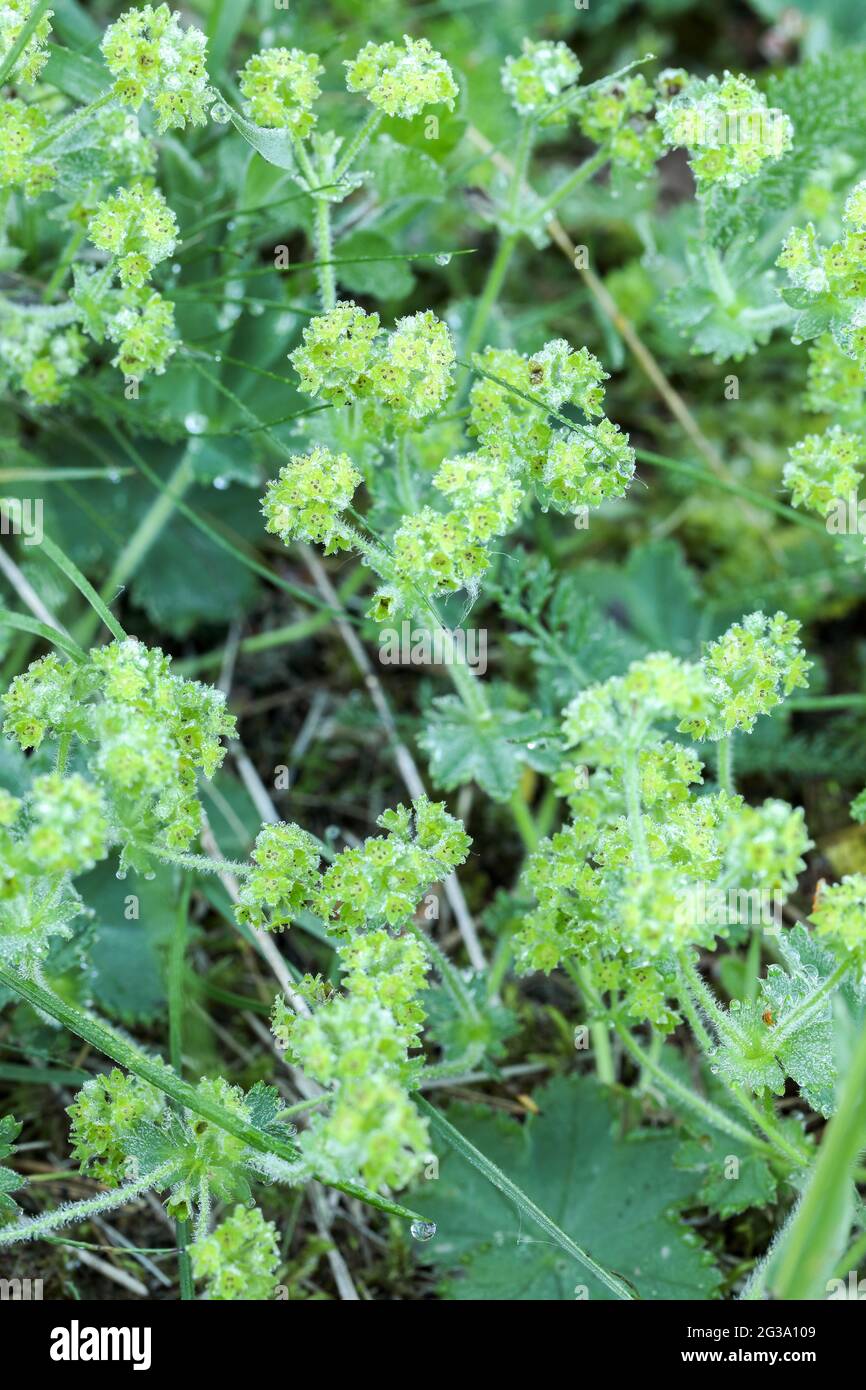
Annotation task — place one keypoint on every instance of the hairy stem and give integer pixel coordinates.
(725, 766)
(74, 1212)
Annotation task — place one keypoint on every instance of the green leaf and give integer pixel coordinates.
(78, 77)
(10, 1181)
(658, 593)
(617, 1198)
(733, 1176)
(172, 588)
(383, 279)
(125, 953)
(398, 172)
(273, 145)
(491, 751)
(807, 1055)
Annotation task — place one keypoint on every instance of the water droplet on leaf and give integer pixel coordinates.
(422, 1230)
(195, 422)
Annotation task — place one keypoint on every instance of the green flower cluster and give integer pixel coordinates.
(750, 670)
(144, 733)
(829, 283)
(401, 81)
(657, 689)
(22, 128)
(284, 878)
(727, 125)
(121, 1125)
(824, 469)
(587, 467)
(764, 845)
(280, 86)
(59, 830)
(840, 919)
(618, 115)
(41, 350)
(305, 501)
(346, 356)
(536, 79)
(437, 553)
(635, 877)
(142, 328)
(240, 1257)
(380, 882)
(835, 384)
(511, 399)
(434, 553)
(14, 14)
(137, 228)
(377, 883)
(153, 57)
(105, 1112)
(357, 1044)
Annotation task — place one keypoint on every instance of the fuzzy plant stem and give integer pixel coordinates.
(324, 254)
(450, 977)
(725, 765)
(321, 229)
(581, 174)
(176, 961)
(599, 1031)
(202, 863)
(502, 259)
(631, 778)
(710, 1113)
(362, 135)
(74, 1212)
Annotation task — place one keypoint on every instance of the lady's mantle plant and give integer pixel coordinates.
(425, 445)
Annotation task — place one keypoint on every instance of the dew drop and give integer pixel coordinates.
(195, 422)
(422, 1230)
(220, 484)
(257, 310)
(175, 270)
(220, 113)
(121, 874)
(444, 258)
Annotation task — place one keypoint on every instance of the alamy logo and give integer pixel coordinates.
(706, 905)
(22, 516)
(855, 1288)
(417, 646)
(20, 1290)
(77, 1343)
(846, 516)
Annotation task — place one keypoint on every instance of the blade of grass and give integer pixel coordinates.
(177, 951)
(74, 575)
(815, 1239)
(37, 629)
